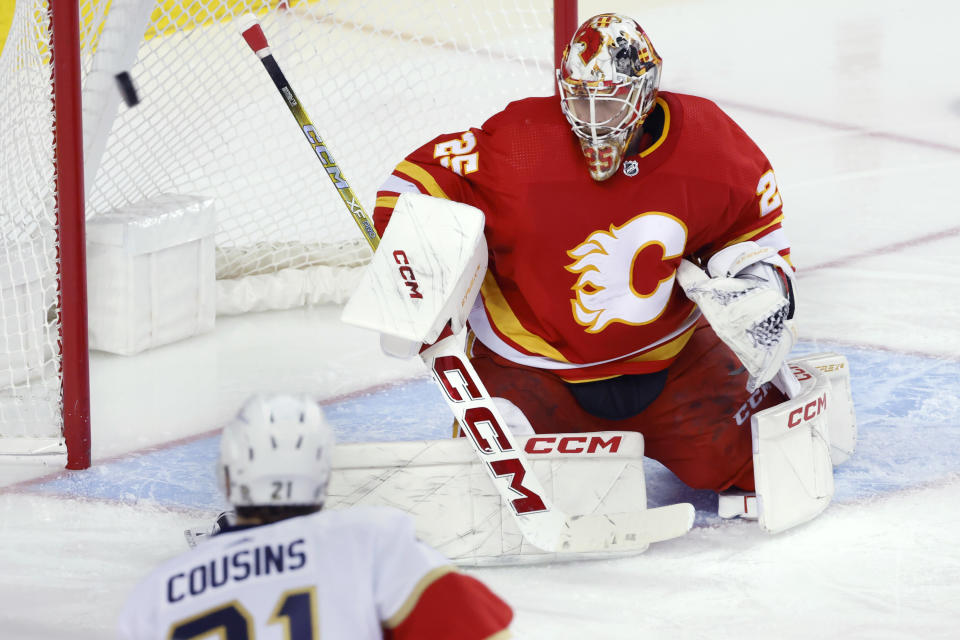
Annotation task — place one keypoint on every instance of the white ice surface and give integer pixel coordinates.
(857, 104)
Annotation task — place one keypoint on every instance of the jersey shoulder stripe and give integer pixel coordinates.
(411, 602)
(422, 177)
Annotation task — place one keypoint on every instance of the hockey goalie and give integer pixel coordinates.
(616, 259)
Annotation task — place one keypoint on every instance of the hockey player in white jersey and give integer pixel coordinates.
(286, 569)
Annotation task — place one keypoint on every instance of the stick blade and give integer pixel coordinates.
(544, 529)
(628, 532)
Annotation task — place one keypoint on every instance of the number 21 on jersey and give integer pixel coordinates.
(296, 610)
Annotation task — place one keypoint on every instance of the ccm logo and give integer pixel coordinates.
(486, 432)
(800, 373)
(753, 402)
(573, 444)
(406, 272)
(326, 159)
(807, 412)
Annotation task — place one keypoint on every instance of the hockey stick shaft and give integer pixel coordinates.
(257, 40)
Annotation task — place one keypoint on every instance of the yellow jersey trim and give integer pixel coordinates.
(422, 176)
(386, 201)
(507, 323)
(663, 134)
(666, 351)
(579, 380)
(752, 234)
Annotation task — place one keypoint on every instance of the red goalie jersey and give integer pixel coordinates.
(581, 276)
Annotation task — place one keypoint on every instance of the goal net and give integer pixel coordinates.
(378, 78)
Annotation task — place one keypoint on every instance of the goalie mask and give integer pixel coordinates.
(276, 452)
(608, 79)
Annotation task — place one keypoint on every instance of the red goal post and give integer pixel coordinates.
(44, 375)
(380, 77)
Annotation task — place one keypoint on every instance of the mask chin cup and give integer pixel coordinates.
(602, 158)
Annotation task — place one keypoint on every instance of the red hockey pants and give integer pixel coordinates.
(698, 427)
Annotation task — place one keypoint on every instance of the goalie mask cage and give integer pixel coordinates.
(378, 77)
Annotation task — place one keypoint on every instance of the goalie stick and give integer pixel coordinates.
(538, 520)
(257, 40)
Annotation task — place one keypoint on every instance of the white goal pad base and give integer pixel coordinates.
(459, 511)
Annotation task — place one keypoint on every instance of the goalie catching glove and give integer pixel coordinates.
(747, 297)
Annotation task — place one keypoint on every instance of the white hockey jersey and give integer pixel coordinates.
(357, 574)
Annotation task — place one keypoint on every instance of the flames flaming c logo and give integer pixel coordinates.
(610, 287)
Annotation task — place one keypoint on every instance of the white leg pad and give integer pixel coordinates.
(792, 461)
(459, 511)
(840, 413)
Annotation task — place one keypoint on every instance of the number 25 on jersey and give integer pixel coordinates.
(458, 154)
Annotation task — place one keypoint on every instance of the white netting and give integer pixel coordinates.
(378, 78)
(29, 357)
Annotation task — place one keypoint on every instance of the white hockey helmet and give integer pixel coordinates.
(608, 80)
(276, 452)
